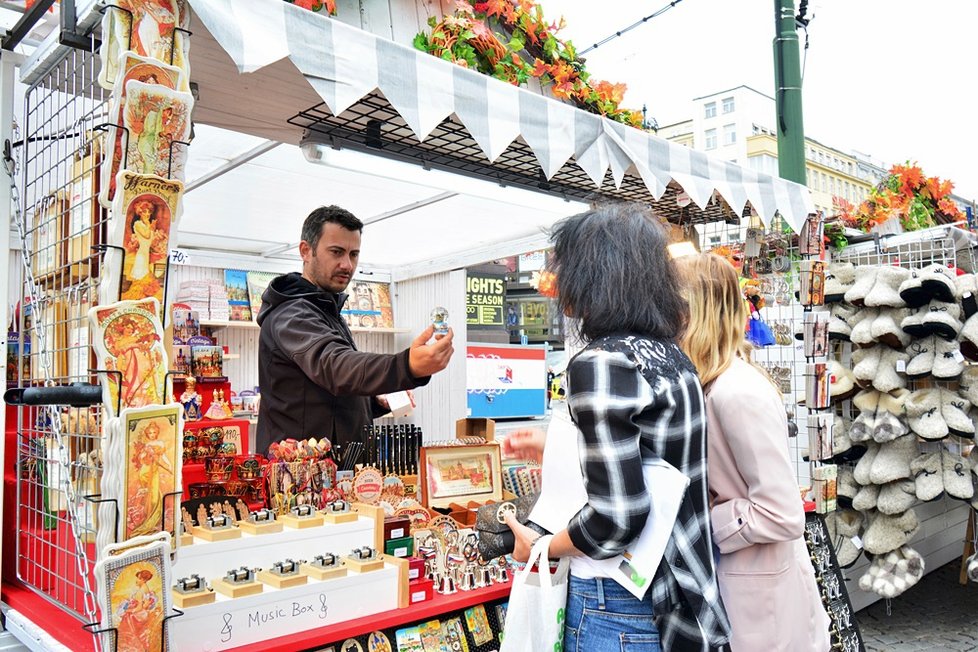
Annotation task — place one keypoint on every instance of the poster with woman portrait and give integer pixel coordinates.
(156, 120)
(128, 341)
(133, 583)
(147, 71)
(146, 211)
(147, 449)
(149, 29)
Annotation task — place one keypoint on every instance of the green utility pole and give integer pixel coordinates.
(787, 78)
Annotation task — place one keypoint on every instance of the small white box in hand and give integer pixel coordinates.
(400, 404)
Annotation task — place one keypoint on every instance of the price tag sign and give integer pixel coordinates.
(179, 257)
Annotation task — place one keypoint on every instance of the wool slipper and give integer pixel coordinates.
(886, 290)
(948, 361)
(891, 417)
(942, 319)
(937, 282)
(892, 574)
(865, 499)
(887, 377)
(842, 383)
(839, 277)
(957, 476)
(913, 323)
(973, 458)
(888, 532)
(896, 497)
(862, 330)
(965, 284)
(911, 290)
(886, 327)
(841, 443)
(968, 384)
(893, 460)
(924, 414)
(864, 467)
(865, 279)
(843, 317)
(954, 409)
(863, 425)
(865, 364)
(846, 487)
(969, 338)
(928, 476)
(922, 353)
(848, 524)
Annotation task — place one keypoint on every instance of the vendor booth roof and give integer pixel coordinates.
(367, 93)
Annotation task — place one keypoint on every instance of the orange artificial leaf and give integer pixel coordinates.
(540, 68)
(497, 7)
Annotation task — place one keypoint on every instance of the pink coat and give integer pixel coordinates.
(765, 574)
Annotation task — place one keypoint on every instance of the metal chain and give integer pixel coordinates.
(52, 412)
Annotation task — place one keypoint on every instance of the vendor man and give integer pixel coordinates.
(314, 382)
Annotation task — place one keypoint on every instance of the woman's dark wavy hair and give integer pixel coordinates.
(615, 275)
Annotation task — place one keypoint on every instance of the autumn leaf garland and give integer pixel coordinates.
(526, 46)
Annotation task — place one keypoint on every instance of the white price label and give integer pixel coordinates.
(856, 541)
(901, 366)
(417, 596)
(179, 257)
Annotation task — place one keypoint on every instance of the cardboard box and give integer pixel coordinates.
(403, 547)
(485, 428)
(396, 527)
(420, 590)
(415, 569)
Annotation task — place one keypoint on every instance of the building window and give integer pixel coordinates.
(711, 109)
(808, 178)
(711, 139)
(728, 105)
(729, 134)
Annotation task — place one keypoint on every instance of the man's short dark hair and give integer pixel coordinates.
(615, 275)
(312, 228)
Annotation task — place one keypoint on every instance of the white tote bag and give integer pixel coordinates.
(535, 615)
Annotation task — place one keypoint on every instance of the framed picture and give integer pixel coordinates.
(86, 218)
(52, 349)
(156, 117)
(149, 451)
(128, 338)
(133, 583)
(450, 474)
(141, 69)
(48, 236)
(147, 209)
(146, 29)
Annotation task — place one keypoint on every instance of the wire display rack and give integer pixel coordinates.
(61, 225)
(784, 361)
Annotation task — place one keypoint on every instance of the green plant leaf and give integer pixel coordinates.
(420, 41)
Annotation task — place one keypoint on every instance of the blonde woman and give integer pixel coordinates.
(766, 579)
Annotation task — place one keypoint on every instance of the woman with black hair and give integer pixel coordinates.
(637, 401)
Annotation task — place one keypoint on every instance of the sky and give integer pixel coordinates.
(894, 79)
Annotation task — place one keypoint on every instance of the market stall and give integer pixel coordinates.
(462, 167)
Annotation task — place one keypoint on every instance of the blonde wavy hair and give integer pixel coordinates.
(718, 315)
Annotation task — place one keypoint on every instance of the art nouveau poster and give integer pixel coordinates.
(147, 71)
(145, 211)
(128, 339)
(156, 118)
(147, 28)
(148, 448)
(134, 595)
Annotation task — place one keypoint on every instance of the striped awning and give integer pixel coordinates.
(350, 68)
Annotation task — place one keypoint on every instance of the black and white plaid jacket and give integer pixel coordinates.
(636, 399)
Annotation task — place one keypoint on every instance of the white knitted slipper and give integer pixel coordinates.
(865, 280)
(893, 460)
(928, 476)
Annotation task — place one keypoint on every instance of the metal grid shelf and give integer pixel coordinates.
(372, 125)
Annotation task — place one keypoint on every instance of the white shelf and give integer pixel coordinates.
(253, 326)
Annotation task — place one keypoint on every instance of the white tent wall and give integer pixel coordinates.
(443, 400)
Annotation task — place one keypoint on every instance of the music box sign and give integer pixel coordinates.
(231, 623)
